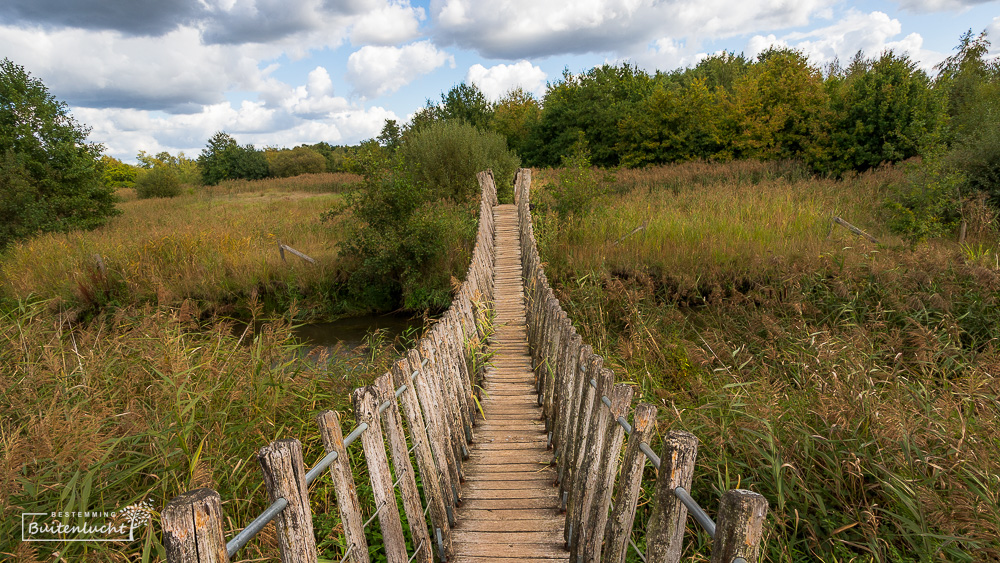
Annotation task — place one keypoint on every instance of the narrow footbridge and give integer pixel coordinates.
(500, 437)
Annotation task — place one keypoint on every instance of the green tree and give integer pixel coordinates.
(467, 103)
(50, 176)
(673, 124)
(592, 103)
(292, 162)
(776, 109)
(116, 174)
(224, 159)
(884, 110)
(391, 136)
(515, 116)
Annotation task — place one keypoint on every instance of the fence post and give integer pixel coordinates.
(665, 532)
(621, 398)
(192, 528)
(433, 479)
(433, 409)
(285, 477)
(627, 493)
(404, 469)
(366, 409)
(587, 481)
(343, 484)
(740, 526)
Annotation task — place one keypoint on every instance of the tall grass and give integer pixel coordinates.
(853, 385)
(218, 244)
(148, 403)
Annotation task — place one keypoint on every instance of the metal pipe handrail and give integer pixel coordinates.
(244, 536)
(699, 515)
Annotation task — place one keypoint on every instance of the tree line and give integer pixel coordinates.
(836, 119)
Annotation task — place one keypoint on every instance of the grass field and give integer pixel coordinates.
(217, 245)
(853, 384)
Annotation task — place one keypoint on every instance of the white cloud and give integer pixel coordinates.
(871, 33)
(375, 71)
(497, 80)
(107, 69)
(517, 29)
(390, 24)
(923, 6)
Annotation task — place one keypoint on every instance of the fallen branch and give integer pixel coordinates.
(854, 229)
(634, 231)
(283, 247)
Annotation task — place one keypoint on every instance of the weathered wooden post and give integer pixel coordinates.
(593, 536)
(629, 483)
(285, 477)
(343, 484)
(434, 478)
(192, 528)
(665, 531)
(586, 482)
(393, 424)
(740, 526)
(366, 408)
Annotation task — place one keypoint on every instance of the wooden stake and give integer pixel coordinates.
(343, 484)
(665, 532)
(366, 409)
(285, 477)
(629, 484)
(740, 526)
(192, 528)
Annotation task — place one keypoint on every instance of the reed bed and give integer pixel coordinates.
(217, 244)
(853, 384)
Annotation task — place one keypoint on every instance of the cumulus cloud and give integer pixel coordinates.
(378, 70)
(871, 33)
(497, 80)
(516, 29)
(390, 24)
(175, 72)
(924, 6)
(132, 17)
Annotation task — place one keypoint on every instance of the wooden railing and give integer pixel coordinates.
(586, 417)
(433, 385)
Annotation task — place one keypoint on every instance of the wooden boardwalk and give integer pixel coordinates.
(510, 510)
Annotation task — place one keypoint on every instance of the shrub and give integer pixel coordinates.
(160, 181)
(225, 159)
(403, 249)
(50, 176)
(926, 204)
(445, 156)
(292, 162)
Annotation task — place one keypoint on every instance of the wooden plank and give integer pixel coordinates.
(285, 477)
(393, 424)
(553, 550)
(366, 408)
(343, 484)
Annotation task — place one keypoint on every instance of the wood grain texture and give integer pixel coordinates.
(285, 477)
(510, 508)
(192, 528)
(343, 484)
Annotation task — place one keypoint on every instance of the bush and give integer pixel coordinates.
(50, 176)
(403, 248)
(224, 159)
(160, 181)
(926, 204)
(445, 156)
(292, 162)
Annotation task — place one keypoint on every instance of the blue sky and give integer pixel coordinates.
(159, 75)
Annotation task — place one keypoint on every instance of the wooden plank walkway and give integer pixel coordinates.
(510, 510)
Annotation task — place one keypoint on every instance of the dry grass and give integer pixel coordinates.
(853, 385)
(219, 244)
